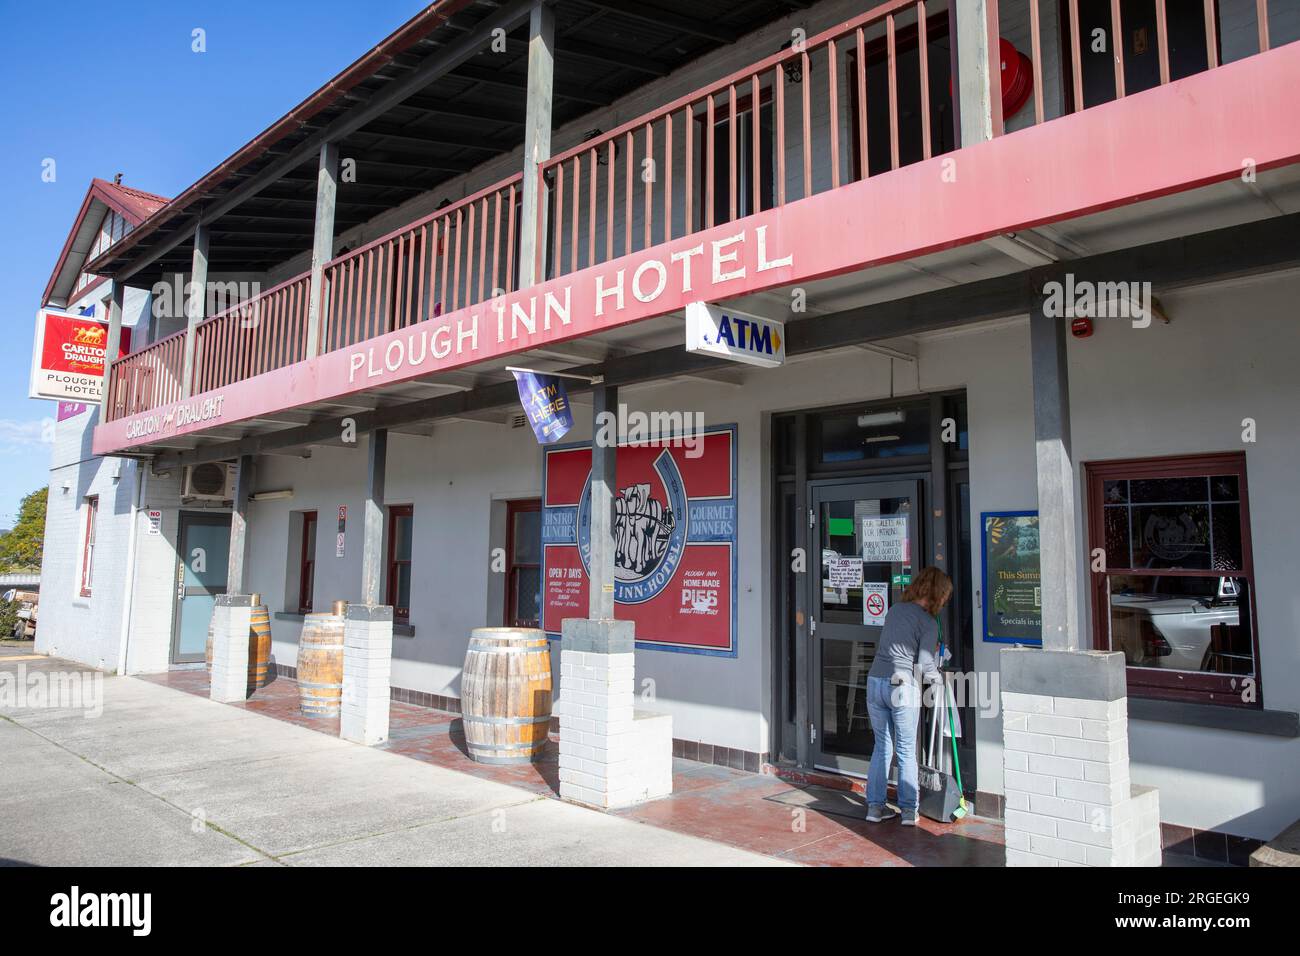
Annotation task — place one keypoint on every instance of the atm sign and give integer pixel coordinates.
(734, 335)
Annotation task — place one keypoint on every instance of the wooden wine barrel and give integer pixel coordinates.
(505, 694)
(259, 647)
(320, 665)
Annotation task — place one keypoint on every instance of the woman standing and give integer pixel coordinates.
(908, 643)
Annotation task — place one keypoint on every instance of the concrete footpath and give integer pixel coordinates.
(162, 778)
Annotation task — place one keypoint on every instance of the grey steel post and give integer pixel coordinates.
(322, 250)
(979, 70)
(372, 530)
(239, 526)
(1057, 541)
(604, 449)
(194, 305)
(537, 140)
(114, 342)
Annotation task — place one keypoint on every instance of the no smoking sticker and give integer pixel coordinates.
(875, 603)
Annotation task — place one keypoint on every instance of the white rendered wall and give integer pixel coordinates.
(1229, 353)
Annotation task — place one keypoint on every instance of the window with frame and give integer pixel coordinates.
(524, 563)
(88, 545)
(307, 563)
(401, 522)
(1177, 591)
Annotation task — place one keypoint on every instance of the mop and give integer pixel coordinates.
(962, 807)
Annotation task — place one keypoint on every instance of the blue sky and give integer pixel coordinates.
(107, 88)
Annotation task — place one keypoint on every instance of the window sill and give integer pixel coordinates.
(1246, 720)
(399, 630)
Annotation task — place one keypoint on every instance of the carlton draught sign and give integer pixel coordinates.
(68, 357)
(674, 540)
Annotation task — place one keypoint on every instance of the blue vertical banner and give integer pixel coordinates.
(546, 403)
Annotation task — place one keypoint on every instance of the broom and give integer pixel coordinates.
(962, 806)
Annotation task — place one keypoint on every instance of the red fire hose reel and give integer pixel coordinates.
(1017, 79)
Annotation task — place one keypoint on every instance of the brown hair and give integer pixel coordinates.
(932, 586)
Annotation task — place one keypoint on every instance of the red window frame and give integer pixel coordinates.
(307, 563)
(88, 544)
(401, 615)
(513, 567)
(1209, 688)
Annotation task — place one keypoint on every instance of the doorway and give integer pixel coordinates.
(865, 496)
(201, 571)
(866, 538)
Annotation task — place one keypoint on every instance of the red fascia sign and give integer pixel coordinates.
(68, 356)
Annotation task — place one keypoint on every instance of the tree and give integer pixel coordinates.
(21, 547)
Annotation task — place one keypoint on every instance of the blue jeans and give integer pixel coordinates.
(895, 710)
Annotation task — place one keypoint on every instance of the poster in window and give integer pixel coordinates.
(674, 540)
(1012, 600)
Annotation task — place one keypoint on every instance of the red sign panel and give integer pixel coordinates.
(674, 540)
(68, 360)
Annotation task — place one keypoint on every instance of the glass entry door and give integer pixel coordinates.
(203, 559)
(865, 537)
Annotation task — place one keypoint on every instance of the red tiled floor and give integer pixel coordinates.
(716, 803)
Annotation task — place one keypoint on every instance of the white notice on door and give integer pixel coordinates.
(875, 603)
(885, 540)
(846, 572)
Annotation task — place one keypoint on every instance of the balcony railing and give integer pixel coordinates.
(1159, 41)
(146, 378)
(859, 99)
(266, 332)
(459, 255)
(693, 163)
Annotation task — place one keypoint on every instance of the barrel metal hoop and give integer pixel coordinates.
(503, 761)
(528, 745)
(509, 650)
(506, 720)
(314, 686)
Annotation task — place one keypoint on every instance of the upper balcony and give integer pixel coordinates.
(820, 159)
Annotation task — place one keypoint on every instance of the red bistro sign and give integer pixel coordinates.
(674, 541)
(68, 357)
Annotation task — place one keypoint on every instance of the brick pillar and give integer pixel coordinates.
(232, 619)
(367, 668)
(611, 755)
(1069, 799)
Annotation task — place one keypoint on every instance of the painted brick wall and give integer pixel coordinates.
(90, 630)
(85, 629)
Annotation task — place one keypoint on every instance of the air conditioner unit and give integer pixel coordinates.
(211, 481)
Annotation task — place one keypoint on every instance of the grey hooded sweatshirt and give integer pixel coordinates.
(909, 638)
